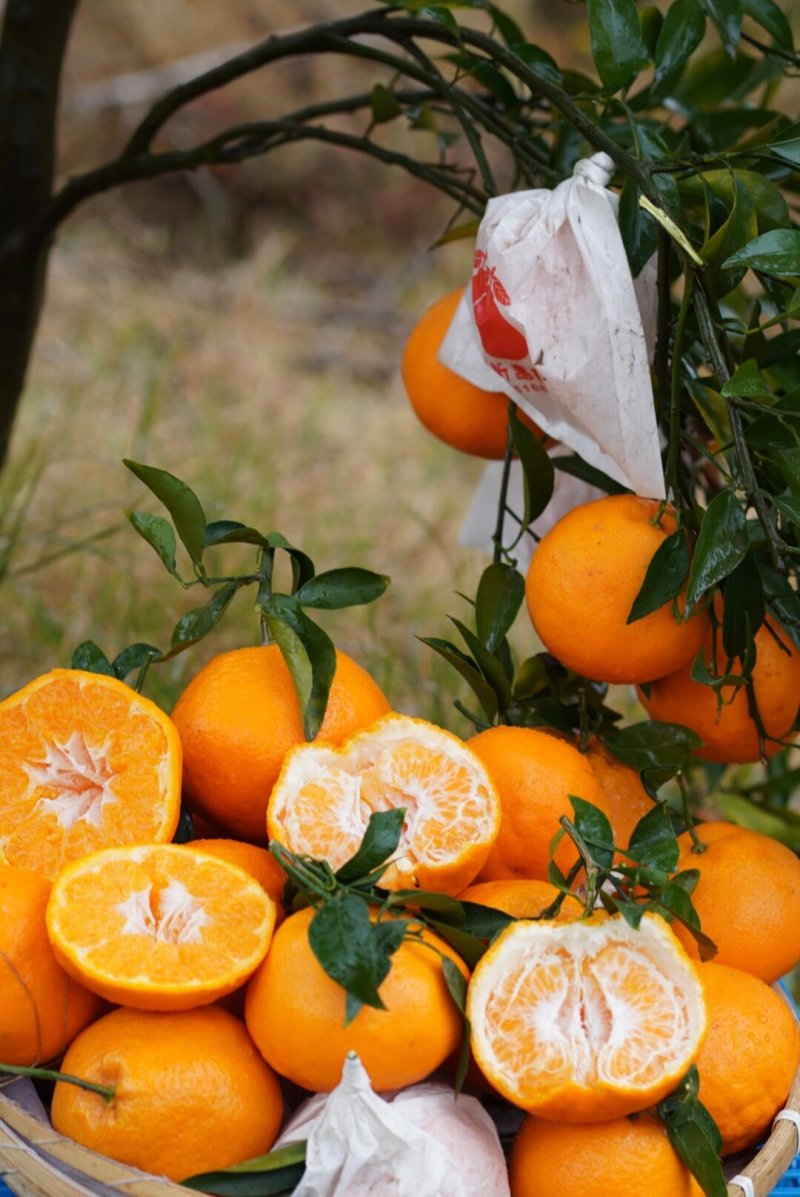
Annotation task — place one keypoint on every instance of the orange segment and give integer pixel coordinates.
(586, 1020)
(163, 927)
(86, 763)
(323, 799)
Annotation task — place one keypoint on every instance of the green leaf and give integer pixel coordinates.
(158, 533)
(270, 1175)
(653, 745)
(508, 29)
(341, 938)
(594, 829)
(787, 151)
(776, 252)
(196, 624)
(575, 466)
(639, 230)
(500, 594)
(180, 501)
(134, 657)
(726, 17)
(721, 545)
(539, 61)
(781, 597)
(740, 226)
(378, 845)
(469, 947)
(538, 475)
(232, 532)
(385, 106)
(442, 16)
(468, 670)
(681, 34)
(665, 577)
(650, 23)
(653, 841)
(489, 665)
(91, 658)
(744, 608)
(692, 1144)
(484, 922)
(319, 655)
(337, 588)
(772, 18)
(616, 39)
(748, 382)
(457, 988)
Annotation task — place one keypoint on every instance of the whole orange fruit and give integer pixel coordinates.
(582, 581)
(237, 719)
(564, 1159)
(296, 1013)
(729, 733)
(628, 800)
(534, 774)
(192, 1094)
(750, 1056)
(41, 1008)
(748, 898)
(454, 410)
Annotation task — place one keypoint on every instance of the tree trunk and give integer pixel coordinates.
(32, 45)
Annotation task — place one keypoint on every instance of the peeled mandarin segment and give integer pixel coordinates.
(586, 1020)
(323, 799)
(86, 763)
(162, 927)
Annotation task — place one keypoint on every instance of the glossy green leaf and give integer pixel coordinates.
(616, 40)
(340, 936)
(508, 29)
(232, 532)
(653, 841)
(489, 665)
(91, 658)
(594, 829)
(776, 252)
(273, 1175)
(337, 588)
(651, 21)
(721, 545)
(180, 501)
(467, 668)
(681, 34)
(748, 382)
(772, 18)
(639, 230)
(319, 651)
(196, 624)
(158, 533)
(378, 845)
(744, 608)
(787, 151)
(726, 16)
(537, 467)
(539, 61)
(575, 466)
(652, 745)
(484, 921)
(500, 594)
(665, 576)
(740, 226)
(134, 657)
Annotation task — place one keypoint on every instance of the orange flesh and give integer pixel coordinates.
(145, 922)
(86, 763)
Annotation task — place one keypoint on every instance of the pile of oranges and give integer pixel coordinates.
(172, 983)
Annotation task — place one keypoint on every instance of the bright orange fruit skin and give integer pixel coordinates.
(192, 1094)
(534, 772)
(748, 899)
(624, 1155)
(729, 733)
(41, 1008)
(238, 718)
(628, 800)
(295, 1014)
(750, 1056)
(582, 581)
(522, 898)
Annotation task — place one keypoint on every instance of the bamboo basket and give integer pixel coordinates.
(35, 1161)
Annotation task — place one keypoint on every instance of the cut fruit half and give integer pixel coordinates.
(588, 1020)
(87, 763)
(324, 797)
(161, 927)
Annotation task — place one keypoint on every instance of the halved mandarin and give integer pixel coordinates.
(86, 763)
(322, 801)
(159, 927)
(588, 1020)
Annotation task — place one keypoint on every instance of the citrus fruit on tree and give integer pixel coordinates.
(747, 898)
(257, 861)
(582, 582)
(627, 799)
(322, 801)
(624, 1155)
(41, 1007)
(191, 1093)
(750, 1056)
(454, 410)
(726, 725)
(296, 1013)
(585, 1020)
(161, 927)
(237, 719)
(521, 897)
(534, 773)
(86, 763)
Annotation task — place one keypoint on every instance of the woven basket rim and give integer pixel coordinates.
(32, 1151)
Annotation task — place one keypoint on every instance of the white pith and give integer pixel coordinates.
(583, 1024)
(166, 914)
(77, 778)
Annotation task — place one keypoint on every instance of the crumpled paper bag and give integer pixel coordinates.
(554, 319)
(420, 1142)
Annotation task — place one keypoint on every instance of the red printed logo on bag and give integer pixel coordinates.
(498, 337)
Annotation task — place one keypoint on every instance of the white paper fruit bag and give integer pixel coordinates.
(422, 1142)
(554, 319)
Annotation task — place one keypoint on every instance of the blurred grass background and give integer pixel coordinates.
(242, 329)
